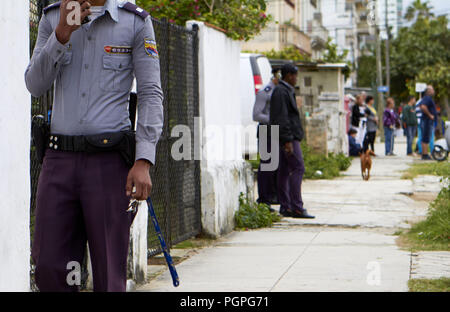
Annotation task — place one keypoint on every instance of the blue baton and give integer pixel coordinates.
(173, 271)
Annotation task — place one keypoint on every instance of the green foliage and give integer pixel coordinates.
(332, 55)
(418, 9)
(240, 19)
(420, 53)
(254, 162)
(288, 53)
(252, 215)
(435, 229)
(329, 167)
(366, 71)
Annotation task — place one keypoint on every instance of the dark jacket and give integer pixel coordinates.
(285, 114)
(409, 115)
(356, 115)
(354, 148)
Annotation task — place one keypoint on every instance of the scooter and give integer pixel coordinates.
(441, 146)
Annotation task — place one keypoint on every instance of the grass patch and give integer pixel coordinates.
(252, 215)
(429, 285)
(194, 243)
(434, 232)
(441, 169)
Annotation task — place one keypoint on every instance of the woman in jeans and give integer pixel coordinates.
(410, 120)
(389, 120)
(372, 124)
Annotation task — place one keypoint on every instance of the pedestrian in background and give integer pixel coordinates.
(357, 114)
(419, 128)
(353, 148)
(372, 124)
(389, 121)
(410, 121)
(267, 180)
(284, 113)
(429, 117)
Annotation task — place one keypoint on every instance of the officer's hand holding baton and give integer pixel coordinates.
(69, 21)
(139, 183)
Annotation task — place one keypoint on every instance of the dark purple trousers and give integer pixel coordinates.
(290, 175)
(267, 180)
(81, 198)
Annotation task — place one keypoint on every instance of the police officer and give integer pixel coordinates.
(83, 196)
(267, 180)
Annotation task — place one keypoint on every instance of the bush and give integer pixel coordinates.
(252, 215)
(329, 167)
(240, 19)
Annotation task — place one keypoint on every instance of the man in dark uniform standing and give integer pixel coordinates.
(285, 114)
(82, 195)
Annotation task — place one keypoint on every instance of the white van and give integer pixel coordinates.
(256, 72)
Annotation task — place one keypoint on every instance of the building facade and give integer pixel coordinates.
(296, 23)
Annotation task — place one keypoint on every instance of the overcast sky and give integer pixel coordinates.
(439, 6)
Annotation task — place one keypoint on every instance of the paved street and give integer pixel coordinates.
(350, 246)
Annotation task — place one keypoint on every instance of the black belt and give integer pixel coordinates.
(123, 142)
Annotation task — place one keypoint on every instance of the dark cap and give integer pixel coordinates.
(288, 69)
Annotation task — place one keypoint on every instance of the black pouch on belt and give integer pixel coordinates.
(40, 132)
(123, 142)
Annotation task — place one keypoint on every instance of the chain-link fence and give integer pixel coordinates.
(176, 184)
(176, 187)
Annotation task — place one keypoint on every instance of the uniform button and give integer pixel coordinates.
(83, 94)
(89, 38)
(86, 66)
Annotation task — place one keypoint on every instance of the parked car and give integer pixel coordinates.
(255, 72)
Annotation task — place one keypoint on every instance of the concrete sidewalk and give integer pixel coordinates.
(350, 246)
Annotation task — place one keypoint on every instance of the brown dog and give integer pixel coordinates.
(366, 164)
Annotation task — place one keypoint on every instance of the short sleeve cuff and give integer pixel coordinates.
(55, 49)
(145, 150)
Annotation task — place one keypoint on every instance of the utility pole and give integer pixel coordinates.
(380, 100)
(388, 35)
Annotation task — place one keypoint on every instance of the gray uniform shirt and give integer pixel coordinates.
(261, 109)
(93, 75)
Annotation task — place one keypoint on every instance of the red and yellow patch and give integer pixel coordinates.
(150, 48)
(118, 50)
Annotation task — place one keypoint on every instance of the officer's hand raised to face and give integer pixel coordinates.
(139, 177)
(70, 20)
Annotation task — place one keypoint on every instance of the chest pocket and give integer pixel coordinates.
(117, 73)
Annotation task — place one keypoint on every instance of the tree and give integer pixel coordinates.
(288, 53)
(239, 19)
(332, 55)
(419, 51)
(418, 9)
(366, 71)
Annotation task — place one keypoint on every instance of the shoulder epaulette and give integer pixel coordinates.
(133, 8)
(51, 7)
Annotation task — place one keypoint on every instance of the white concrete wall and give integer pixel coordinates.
(14, 147)
(224, 174)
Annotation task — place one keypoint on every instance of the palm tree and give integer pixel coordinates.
(419, 9)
